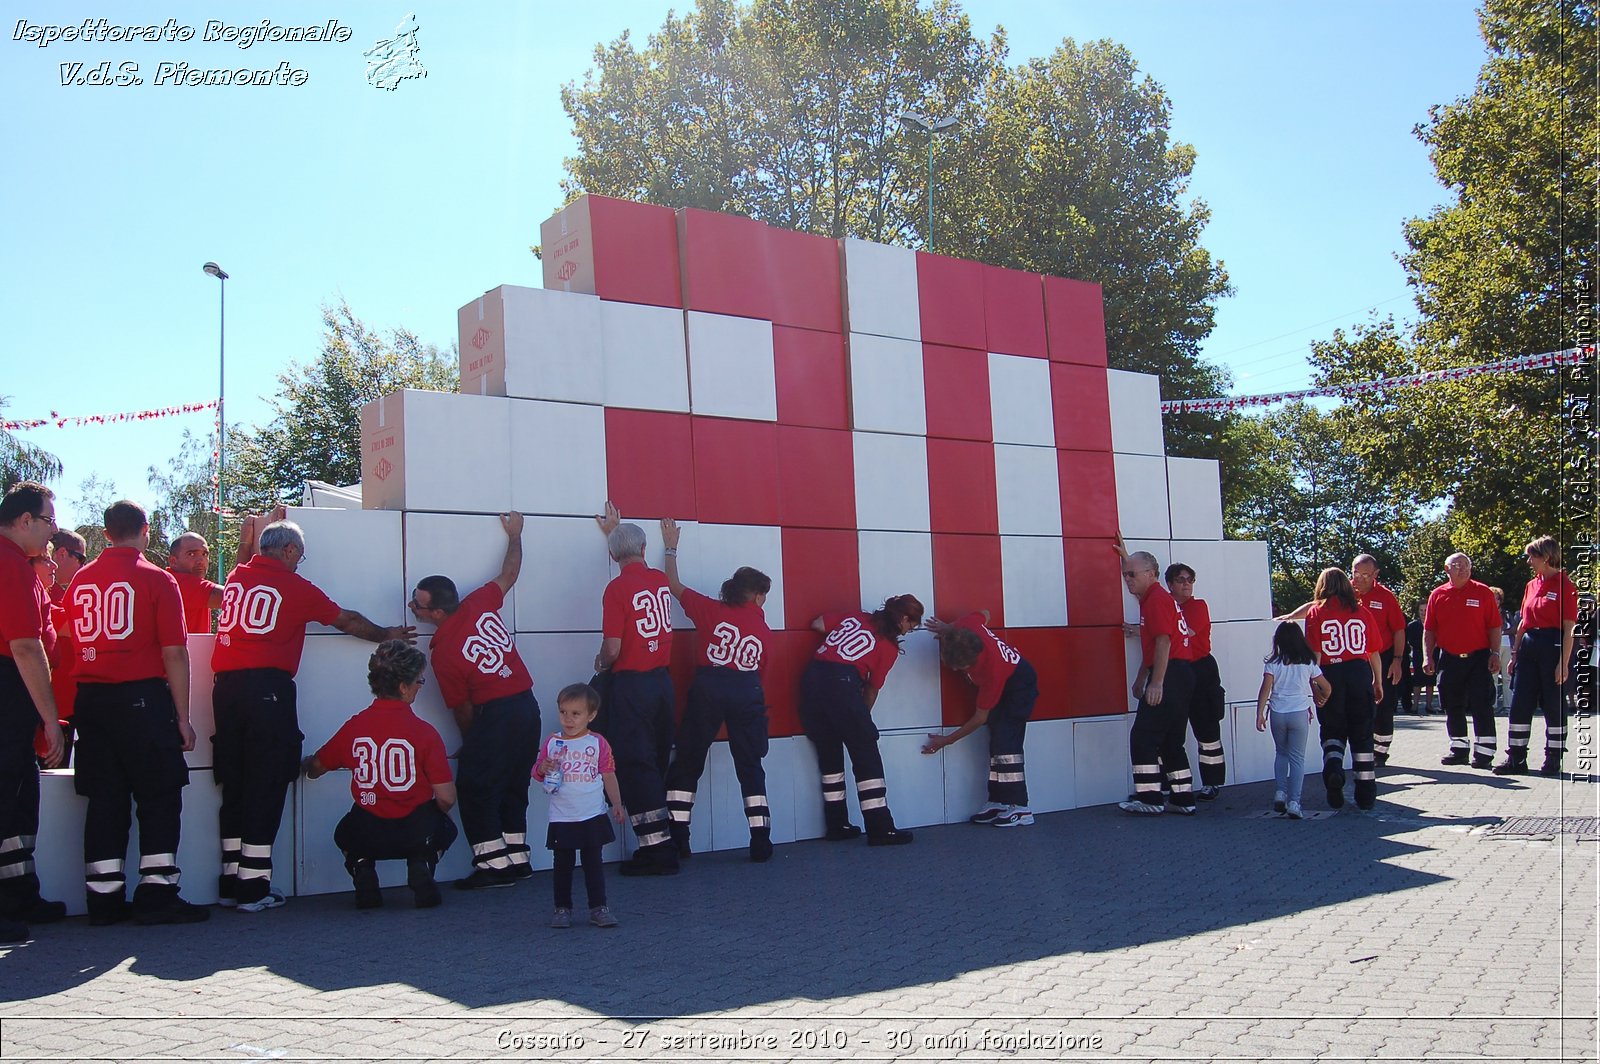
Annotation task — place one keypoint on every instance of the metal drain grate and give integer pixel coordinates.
(1545, 827)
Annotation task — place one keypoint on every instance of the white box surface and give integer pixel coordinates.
(645, 365)
(1034, 581)
(1194, 498)
(532, 343)
(880, 283)
(565, 575)
(1027, 490)
(886, 385)
(892, 484)
(436, 451)
(467, 548)
(731, 370)
(558, 457)
(1135, 412)
(357, 558)
(1019, 400)
(1142, 496)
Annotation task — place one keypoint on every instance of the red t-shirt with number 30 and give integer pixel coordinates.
(123, 611)
(733, 637)
(396, 758)
(265, 610)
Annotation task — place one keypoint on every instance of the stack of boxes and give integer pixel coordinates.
(854, 419)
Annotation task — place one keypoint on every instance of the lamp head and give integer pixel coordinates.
(915, 120)
(216, 271)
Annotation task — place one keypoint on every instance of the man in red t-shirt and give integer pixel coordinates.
(70, 553)
(1541, 654)
(1163, 685)
(400, 780)
(187, 558)
(637, 712)
(1008, 687)
(266, 606)
(27, 705)
(1385, 609)
(1464, 624)
(132, 718)
(484, 682)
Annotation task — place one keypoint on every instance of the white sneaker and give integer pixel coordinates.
(273, 900)
(1142, 808)
(1013, 816)
(1294, 811)
(987, 814)
(1279, 801)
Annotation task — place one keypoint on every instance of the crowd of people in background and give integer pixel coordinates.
(94, 664)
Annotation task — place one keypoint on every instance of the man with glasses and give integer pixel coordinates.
(1464, 624)
(69, 551)
(27, 520)
(266, 606)
(488, 688)
(1163, 685)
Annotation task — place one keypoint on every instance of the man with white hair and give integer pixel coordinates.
(1163, 685)
(635, 649)
(266, 606)
(1464, 623)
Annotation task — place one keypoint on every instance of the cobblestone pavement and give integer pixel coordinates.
(1406, 933)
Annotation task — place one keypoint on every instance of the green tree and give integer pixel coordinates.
(20, 460)
(1309, 494)
(785, 110)
(316, 434)
(1506, 267)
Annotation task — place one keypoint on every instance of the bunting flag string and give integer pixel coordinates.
(61, 421)
(1222, 404)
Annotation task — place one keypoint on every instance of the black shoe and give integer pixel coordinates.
(1551, 766)
(1380, 759)
(892, 837)
(364, 874)
(1479, 761)
(419, 877)
(106, 914)
(173, 910)
(1454, 757)
(1333, 780)
(680, 841)
(519, 870)
(1511, 766)
(35, 910)
(645, 863)
(760, 848)
(1208, 793)
(484, 878)
(843, 833)
(13, 931)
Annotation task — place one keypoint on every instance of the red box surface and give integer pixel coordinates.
(1013, 312)
(821, 572)
(787, 657)
(812, 375)
(650, 463)
(807, 281)
(816, 478)
(950, 300)
(614, 249)
(1096, 671)
(961, 487)
(966, 576)
(1076, 317)
(1088, 494)
(955, 387)
(726, 269)
(1045, 650)
(1094, 583)
(733, 471)
(1080, 402)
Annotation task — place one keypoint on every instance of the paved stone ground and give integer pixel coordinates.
(1407, 933)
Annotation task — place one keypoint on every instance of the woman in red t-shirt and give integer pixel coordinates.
(733, 636)
(1346, 638)
(837, 691)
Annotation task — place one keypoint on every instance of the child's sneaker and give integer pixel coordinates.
(1013, 816)
(987, 814)
(601, 917)
(274, 899)
(1279, 800)
(561, 918)
(1294, 812)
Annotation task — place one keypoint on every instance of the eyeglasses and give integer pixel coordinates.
(1178, 579)
(1129, 574)
(47, 517)
(420, 681)
(82, 558)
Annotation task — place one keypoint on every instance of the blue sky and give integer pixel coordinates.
(411, 202)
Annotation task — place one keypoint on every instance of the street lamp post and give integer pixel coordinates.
(919, 121)
(222, 423)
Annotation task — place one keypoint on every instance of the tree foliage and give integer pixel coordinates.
(316, 434)
(1311, 497)
(20, 460)
(1506, 267)
(785, 110)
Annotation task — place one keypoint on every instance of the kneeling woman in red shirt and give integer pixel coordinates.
(401, 783)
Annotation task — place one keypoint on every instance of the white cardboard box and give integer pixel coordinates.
(731, 369)
(564, 576)
(643, 354)
(532, 343)
(892, 483)
(467, 548)
(356, 557)
(1027, 490)
(886, 385)
(1194, 498)
(558, 457)
(1142, 496)
(1135, 412)
(436, 451)
(880, 283)
(1034, 581)
(1019, 400)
